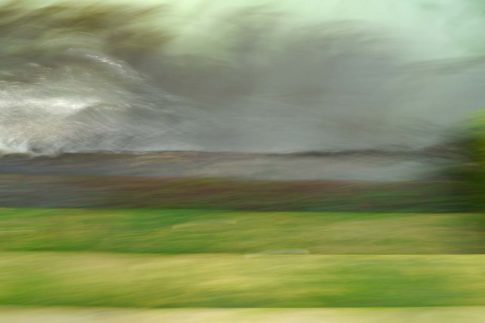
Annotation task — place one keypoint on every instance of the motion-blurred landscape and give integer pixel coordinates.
(242, 161)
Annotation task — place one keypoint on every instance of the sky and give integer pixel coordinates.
(311, 81)
(426, 29)
(430, 29)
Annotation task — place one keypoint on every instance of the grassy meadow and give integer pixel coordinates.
(154, 258)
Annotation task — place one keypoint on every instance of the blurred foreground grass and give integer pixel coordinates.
(210, 231)
(293, 281)
(153, 258)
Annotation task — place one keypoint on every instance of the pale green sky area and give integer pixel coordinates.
(426, 29)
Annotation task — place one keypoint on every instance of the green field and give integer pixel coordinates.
(213, 259)
(209, 231)
(208, 280)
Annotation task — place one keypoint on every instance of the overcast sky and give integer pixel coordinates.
(430, 29)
